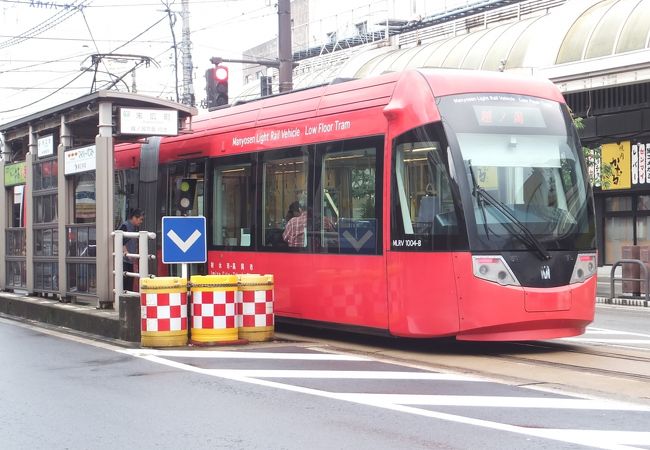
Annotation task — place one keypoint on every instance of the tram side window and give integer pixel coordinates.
(423, 215)
(285, 181)
(232, 209)
(346, 212)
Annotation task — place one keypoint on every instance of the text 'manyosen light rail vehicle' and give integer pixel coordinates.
(429, 203)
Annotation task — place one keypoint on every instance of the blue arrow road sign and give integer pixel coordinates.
(184, 240)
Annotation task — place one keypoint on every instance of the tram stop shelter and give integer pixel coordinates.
(57, 204)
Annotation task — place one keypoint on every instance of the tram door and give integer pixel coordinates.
(178, 173)
(423, 233)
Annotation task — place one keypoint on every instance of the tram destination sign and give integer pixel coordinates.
(149, 121)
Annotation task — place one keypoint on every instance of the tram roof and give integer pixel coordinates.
(579, 38)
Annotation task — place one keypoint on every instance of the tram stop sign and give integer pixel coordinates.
(184, 240)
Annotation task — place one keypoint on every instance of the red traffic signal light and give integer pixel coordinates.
(216, 86)
(221, 74)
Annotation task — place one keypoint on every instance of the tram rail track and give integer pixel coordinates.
(588, 368)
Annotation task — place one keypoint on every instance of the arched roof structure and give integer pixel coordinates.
(577, 32)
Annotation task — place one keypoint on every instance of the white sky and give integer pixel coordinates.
(32, 69)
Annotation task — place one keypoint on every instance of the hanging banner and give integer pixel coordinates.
(645, 148)
(598, 160)
(642, 164)
(635, 164)
(618, 157)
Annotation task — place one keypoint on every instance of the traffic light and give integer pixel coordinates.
(216, 86)
(185, 195)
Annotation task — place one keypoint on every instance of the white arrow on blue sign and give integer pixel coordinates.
(184, 240)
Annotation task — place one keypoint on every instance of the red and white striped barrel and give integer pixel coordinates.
(163, 312)
(257, 307)
(215, 317)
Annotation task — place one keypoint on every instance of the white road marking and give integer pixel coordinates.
(498, 402)
(609, 440)
(340, 374)
(608, 331)
(244, 355)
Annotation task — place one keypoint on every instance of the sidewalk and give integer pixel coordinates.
(604, 290)
(103, 323)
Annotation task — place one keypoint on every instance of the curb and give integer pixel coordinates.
(623, 301)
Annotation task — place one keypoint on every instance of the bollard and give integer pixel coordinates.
(163, 305)
(257, 307)
(215, 310)
(129, 317)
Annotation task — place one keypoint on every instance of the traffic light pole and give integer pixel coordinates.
(284, 63)
(284, 46)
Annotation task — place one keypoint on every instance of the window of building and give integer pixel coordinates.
(618, 204)
(46, 216)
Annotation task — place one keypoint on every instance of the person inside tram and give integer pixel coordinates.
(131, 225)
(295, 231)
(294, 211)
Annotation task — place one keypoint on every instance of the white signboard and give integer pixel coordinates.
(18, 194)
(45, 146)
(149, 122)
(81, 159)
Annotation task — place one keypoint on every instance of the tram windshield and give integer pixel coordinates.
(525, 176)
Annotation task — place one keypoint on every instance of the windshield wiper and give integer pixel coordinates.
(523, 234)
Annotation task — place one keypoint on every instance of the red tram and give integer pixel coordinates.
(433, 203)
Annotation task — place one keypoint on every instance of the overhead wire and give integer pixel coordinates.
(44, 26)
(79, 5)
(95, 43)
(83, 72)
(46, 97)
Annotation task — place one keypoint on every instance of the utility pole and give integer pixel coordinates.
(285, 54)
(186, 49)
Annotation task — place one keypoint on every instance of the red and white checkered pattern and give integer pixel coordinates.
(257, 308)
(214, 310)
(163, 311)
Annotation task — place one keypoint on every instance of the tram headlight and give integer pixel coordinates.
(494, 269)
(584, 268)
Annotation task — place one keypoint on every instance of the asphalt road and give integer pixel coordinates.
(623, 318)
(63, 393)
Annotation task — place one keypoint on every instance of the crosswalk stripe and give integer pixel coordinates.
(341, 374)
(597, 439)
(219, 354)
(497, 402)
